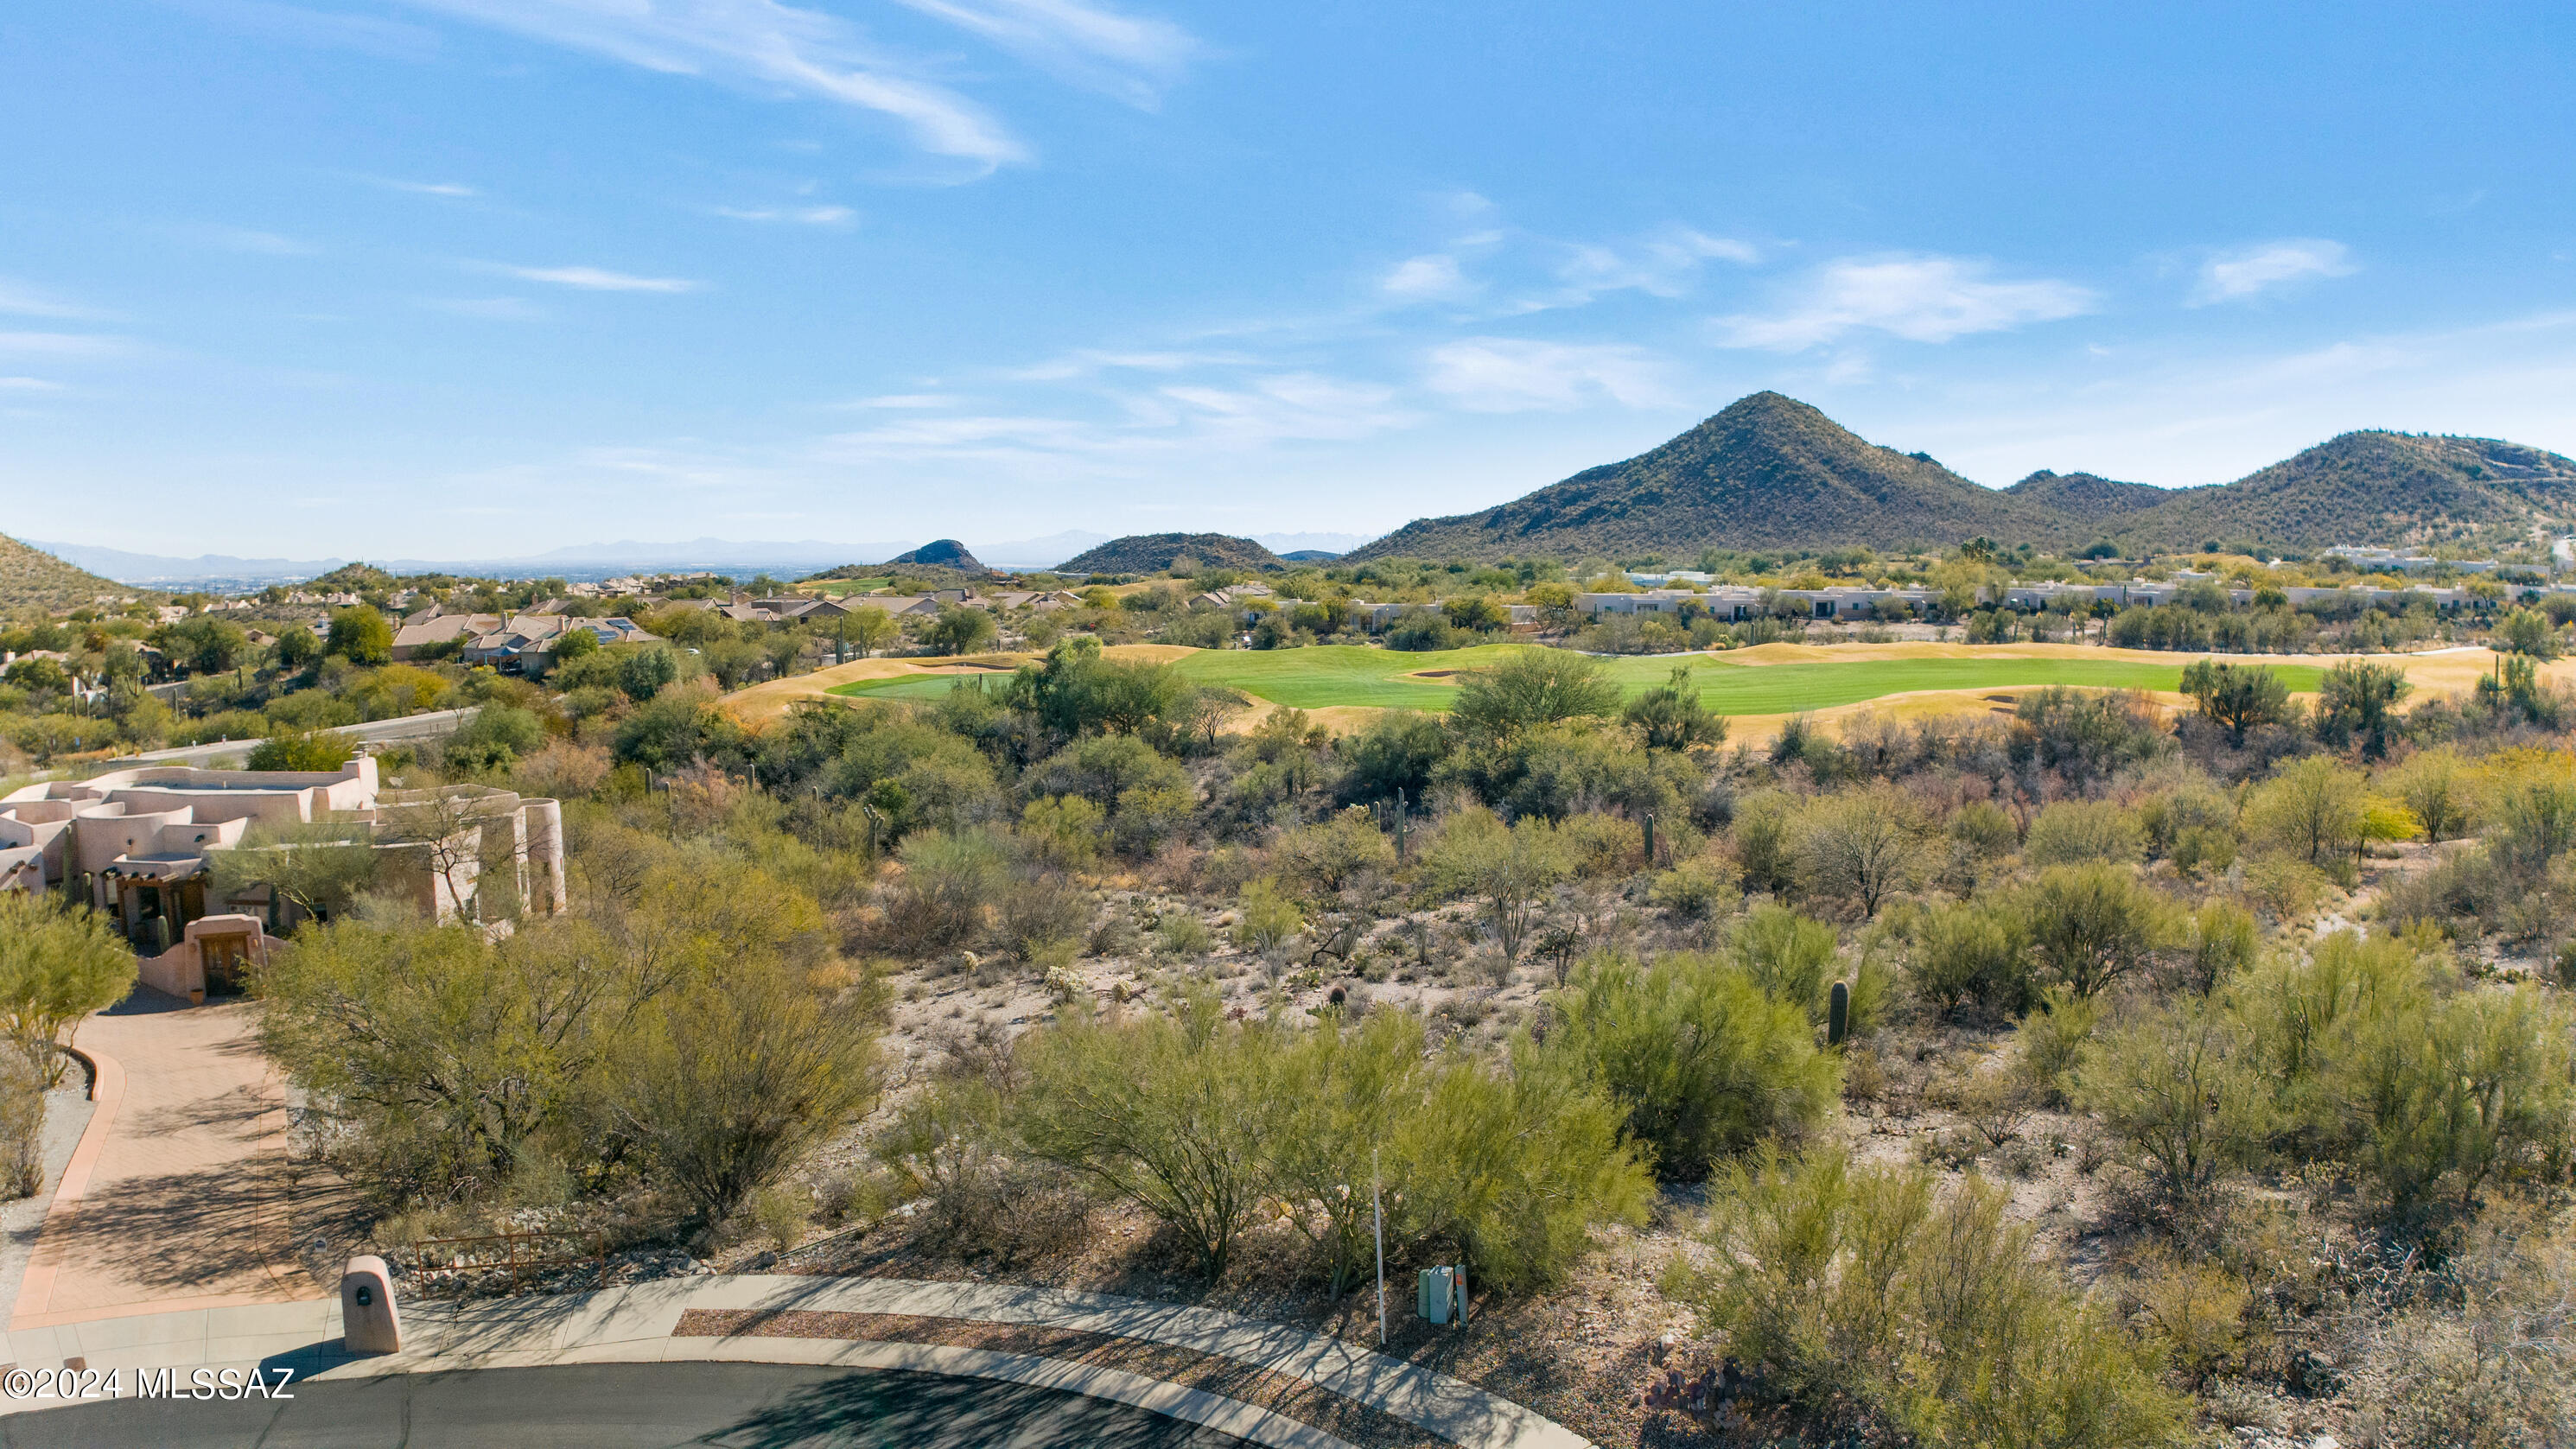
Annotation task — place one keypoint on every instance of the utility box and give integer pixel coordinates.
(1442, 1296)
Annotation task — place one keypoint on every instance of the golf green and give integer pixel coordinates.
(1338, 674)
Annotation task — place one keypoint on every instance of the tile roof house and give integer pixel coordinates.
(526, 643)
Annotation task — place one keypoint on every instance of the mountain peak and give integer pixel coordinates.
(1770, 472)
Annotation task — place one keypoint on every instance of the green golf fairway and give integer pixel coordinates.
(1341, 674)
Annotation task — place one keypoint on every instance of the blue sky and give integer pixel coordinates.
(449, 277)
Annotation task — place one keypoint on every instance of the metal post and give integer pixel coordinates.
(1377, 1210)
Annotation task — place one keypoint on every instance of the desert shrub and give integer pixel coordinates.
(1267, 916)
(2051, 1042)
(1064, 830)
(22, 1125)
(288, 750)
(1861, 845)
(58, 963)
(949, 883)
(2223, 944)
(562, 771)
(1983, 830)
(947, 1148)
(1039, 912)
(1972, 953)
(1764, 845)
(1873, 1297)
(2196, 1311)
(1697, 888)
(1601, 846)
(2086, 737)
(1703, 1060)
(1512, 868)
(2435, 787)
(1170, 1112)
(1396, 753)
(1183, 934)
(2071, 832)
(1788, 955)
(2177, 1083)
(1349, 1086)
(1326, 856)
(498, 736)
(2313, 810)
(1515, 1161)
(2366, 1059)
(2091, 925)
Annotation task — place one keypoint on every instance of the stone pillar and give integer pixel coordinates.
(368, 1323)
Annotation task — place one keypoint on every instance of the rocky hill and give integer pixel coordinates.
(2087, 493)
(945, 553)
(2382, 488)
(32, 578)
(1771, 472)
(1152, 553)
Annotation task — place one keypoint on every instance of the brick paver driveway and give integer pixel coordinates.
(179, 1195)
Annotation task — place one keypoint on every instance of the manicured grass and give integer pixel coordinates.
(838, 588)
(1335, 674)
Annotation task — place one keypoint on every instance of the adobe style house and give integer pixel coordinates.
(143, 844)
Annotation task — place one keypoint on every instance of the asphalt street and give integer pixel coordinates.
(628, 1406)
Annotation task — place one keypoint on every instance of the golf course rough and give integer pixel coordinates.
(1324, 676)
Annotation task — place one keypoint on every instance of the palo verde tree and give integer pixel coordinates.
(2237, 697)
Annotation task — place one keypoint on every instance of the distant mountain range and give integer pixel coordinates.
(1770, 472)
(598, 560)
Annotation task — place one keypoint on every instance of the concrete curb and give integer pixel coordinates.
(636, 1324)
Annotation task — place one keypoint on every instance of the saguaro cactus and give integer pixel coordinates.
(1838, 1015)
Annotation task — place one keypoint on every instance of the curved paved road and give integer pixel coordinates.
(628, 1406)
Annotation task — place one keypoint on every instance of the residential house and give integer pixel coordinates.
(526, 644)
(141, 845)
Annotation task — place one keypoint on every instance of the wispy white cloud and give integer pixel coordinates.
(801, 215)
(1664, 265)
(1432, 277)
(1301, 406)
(908, 401)
(1918, 298)
(1509, 375)
(1127, 56)
(598, 279)
(426, 188)
(811, 53)
(63, 344)
(2250, 271)
(1092, 362)
(28, 384)
(25, 301)
(256, 243)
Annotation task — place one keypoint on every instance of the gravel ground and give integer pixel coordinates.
(67, 1113)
